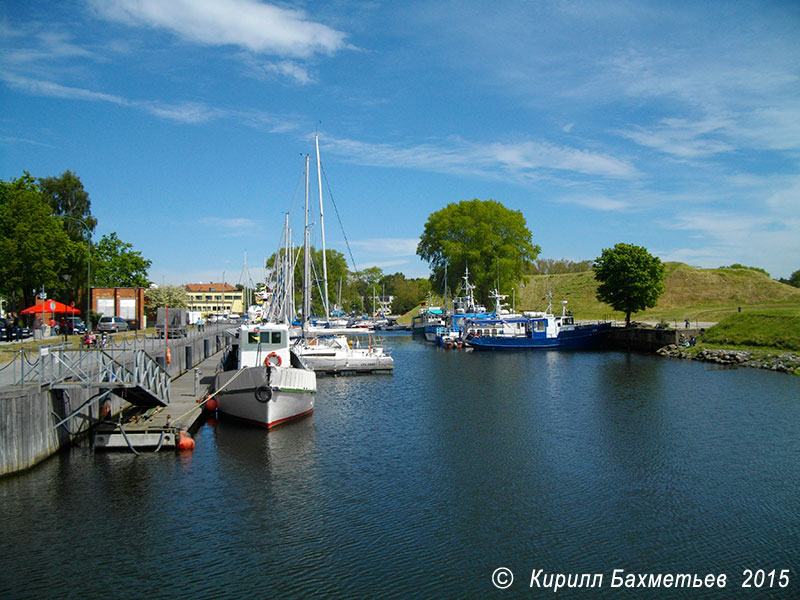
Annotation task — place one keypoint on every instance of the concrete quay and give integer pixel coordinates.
(38, 420)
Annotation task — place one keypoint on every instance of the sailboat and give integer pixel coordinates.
(263, 381)
(325, 348)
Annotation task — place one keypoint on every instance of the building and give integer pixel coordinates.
(125, 302)
(214, 299)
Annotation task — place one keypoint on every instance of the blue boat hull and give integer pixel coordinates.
(583, 337)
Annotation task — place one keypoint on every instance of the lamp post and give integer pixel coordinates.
(88, 266)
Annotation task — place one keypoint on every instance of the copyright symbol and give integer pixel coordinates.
(502, 578)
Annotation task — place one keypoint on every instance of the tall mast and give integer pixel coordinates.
(306, 262)
(322, 226)
(285, 268)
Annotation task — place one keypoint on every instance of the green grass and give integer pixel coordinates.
(699, 294)
(774, 329)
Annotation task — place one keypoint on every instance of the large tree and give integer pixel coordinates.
(407, 293)
(631, 279)
(35, 250)
(337, 272)
(490, 239)
(66, 196)
(172, 296)
(116, 264)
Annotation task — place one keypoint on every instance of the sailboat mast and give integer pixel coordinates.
(322, 226)
(306, 262)
(285, 268)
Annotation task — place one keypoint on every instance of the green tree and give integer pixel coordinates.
(364, 284)
(337, 271)
(172, 296)
(407, 293)
(116, 264)
(66, 196)
(35, 250)
(794, 279)
(631, 279)
(490, 239)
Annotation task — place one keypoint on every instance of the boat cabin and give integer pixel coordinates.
(261, 342)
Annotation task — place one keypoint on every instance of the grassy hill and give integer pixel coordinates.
(700, 294)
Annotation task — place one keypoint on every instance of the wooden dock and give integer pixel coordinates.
(158, 428)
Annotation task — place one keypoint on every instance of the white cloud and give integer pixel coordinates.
(684, 138)
(232, 223)
(596, 202)
(523, 160)
(258, 27)
(388, 246)
(56, 90)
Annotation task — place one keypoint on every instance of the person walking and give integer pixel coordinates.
(64, 328)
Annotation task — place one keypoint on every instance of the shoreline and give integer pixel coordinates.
(784, 362)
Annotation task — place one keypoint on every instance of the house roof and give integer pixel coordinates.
(210, 287)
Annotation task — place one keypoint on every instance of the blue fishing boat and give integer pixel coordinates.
(534, 331)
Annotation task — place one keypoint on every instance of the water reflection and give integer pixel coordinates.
(420, 483)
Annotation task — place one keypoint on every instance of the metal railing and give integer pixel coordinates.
(24, 369)
(76, 368)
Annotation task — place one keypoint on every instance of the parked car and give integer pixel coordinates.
(133, 324)
(76, 325)
(112, 324)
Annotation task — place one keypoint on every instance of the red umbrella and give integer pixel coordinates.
(50, 307)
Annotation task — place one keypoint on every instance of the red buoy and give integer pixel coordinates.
(185, 441)
(211, 404)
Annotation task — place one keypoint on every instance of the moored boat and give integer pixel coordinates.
(337, 354)
(264, 382)
(535, 331)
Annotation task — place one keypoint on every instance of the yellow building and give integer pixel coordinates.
(214, 299)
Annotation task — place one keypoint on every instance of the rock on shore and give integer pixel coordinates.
(783, 363)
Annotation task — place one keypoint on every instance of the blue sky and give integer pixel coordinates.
(671, 125)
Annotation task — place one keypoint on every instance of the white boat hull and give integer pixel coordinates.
(334, 355)
(289, 395)
(337, 362)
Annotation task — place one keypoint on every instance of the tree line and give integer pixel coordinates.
(46, 228)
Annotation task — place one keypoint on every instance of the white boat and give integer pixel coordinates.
(337, 354)
(264, 383)
(322, 347)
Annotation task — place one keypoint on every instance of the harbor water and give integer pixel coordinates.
(423, 483)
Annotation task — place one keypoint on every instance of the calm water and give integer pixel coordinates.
(422, 483)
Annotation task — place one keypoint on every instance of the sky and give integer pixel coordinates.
(669, 125)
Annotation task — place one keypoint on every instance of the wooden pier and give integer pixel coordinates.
(162, 427)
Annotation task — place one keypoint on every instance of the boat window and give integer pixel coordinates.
(494, 331)
(264, 337)
(539, 325)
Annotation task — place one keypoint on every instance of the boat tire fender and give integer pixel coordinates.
(263, 393)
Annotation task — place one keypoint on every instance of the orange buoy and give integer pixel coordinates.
(169, 356)
(211, 404)
(185, 441)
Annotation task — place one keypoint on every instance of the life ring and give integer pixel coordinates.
(263, 393)
(169, 356)
(269, 363)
